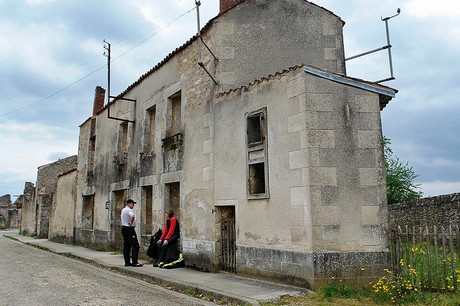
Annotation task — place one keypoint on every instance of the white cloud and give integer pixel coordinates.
(29, 146)
(430, 8)
(443, 162)
(436, 188)
(37, 2)
(438, 20)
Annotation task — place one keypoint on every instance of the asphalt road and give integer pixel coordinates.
(30, 276)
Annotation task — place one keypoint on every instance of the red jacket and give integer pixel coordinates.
(171, 231)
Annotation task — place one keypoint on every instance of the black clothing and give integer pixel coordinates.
(130, 245)
(171, 232)
(152, 250)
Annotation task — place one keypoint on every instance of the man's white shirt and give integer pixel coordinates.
(126, 215)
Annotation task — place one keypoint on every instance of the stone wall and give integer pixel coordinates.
(9, 213)
(61, 223)
(47, 178)
(28, 210)
(5, 202)
(439, 210)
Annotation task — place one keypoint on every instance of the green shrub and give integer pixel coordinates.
(397, 288)
(339, 291)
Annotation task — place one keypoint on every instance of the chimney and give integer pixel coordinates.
(225, 5)
(99, 96)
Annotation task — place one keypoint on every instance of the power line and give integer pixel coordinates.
(25, 108)
(43, 84)
(31, 105)
(153, 34)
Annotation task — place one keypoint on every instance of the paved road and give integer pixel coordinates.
(29, 276)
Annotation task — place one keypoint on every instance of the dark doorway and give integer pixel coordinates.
(172, 200)
(146, 207)
(119, 198)
(227, 238)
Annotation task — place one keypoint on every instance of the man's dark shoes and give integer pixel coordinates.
(137, 265)
(128, 264)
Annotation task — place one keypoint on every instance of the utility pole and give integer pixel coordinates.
(107, 47)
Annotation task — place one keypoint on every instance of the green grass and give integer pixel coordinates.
(348, 296)
(442, 272)
(401, 287)
(191, 292)
(26, 233)
(117, 252)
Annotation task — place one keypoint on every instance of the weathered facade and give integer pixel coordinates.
(10, 213)
(28, 210)
(45, 197)
(61, 223)
(5, 202)
(273, 168)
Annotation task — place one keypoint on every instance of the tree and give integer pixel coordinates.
(400, 178)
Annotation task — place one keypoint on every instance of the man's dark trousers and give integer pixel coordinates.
(130, 244)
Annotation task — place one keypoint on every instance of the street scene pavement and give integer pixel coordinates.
(220, 287)
(31, 276)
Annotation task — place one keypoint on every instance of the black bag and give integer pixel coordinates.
(152, 250)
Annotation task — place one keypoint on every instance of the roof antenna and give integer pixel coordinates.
(198, 3)
(200, 61)
(387, 46)
(107, 47)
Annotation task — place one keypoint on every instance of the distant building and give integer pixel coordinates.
(10, 215)
(5, 202)
(41, 200)
(28, 210)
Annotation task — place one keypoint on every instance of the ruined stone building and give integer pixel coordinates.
(10, 212)
(41, 201)
(269, 154)
(28, 209)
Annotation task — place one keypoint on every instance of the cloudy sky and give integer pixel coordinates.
(51, 60)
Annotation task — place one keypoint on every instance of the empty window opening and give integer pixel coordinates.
(257, 154)
(147, 200)
(255, 130)
(150, 129)
(119, 198)
(123, 137)
(91, 154)
(173, 198)
(256, 178)
(88, 212)
(174, 114)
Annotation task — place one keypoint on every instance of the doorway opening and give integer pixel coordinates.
(227, 238)
(119, 198)
(172, 198)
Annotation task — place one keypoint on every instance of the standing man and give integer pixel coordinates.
(130, 243)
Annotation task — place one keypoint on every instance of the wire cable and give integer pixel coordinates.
(26, 107)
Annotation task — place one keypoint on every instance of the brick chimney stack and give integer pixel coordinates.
(227, 4)
(99, 96)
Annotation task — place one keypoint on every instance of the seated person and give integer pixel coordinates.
(167, 243)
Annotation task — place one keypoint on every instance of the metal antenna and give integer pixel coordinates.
(198, 3)
(107, 47)
(200, 60)
(387, 46)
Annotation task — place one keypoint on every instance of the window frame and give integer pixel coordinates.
(257, 152)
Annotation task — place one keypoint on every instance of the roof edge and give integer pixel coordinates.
(373, 87)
